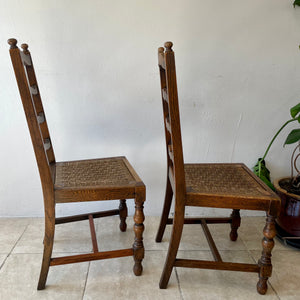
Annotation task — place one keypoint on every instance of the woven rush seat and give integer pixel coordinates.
(223, 179)
(94, 172)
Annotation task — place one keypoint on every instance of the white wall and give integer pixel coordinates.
(96, 63)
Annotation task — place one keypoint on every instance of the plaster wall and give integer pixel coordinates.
(238, 66)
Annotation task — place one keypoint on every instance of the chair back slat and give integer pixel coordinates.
(32, 104)
(166, 62)
(37, 101)
(37, 104)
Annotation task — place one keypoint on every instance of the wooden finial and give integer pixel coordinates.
(25, 48)
(161, 50)
(12, 43)
(168, 46)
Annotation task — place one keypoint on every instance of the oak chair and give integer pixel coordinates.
(75, 181)
(222, 185)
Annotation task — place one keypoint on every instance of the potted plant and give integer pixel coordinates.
(288, 188)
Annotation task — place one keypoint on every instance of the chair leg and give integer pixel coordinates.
(178, 223)
(48, 246)
(165, 212)
(235, 224)
(265, 260)
(123, 214)
(138, 246)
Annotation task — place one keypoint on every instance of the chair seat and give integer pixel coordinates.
(74, 180)
(228, 185)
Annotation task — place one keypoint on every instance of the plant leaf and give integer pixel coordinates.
(263, 173)
(295, 109)
(267, 182)
(293, 137)
(296, 2)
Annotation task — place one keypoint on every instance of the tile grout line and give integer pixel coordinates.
(86, 278)
(179, 287)
(270, 284)
(12, 249)
(4, 261)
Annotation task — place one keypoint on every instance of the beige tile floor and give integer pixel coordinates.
(21, 253)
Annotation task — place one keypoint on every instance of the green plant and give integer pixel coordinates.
(260, 168)
(296, 2)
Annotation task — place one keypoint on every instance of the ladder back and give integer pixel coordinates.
(33, 107)
(166, 62)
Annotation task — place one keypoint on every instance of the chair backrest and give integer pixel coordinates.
(166, 62)
(34, 111)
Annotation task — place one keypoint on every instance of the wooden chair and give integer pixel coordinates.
(222, 185)
(75, 181)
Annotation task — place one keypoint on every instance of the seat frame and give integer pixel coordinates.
(30, 96)
(176, 186)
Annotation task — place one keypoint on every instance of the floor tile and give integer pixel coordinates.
(251, 233)
(10, 232)
(212, 284)
(193, 237)
(250, 236)
(114, 279)
(220, 234)
(32, 239)
(151, 227)
(69, 237)
(15, 222)
(20, 273)
(73, 237)
(109, 236)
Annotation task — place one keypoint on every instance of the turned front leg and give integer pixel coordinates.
(138, 246)
(265, 260)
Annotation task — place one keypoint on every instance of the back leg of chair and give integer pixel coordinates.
(165, 212)
(123, 214)
(235, 224)
(48, 246)
(178, 223)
